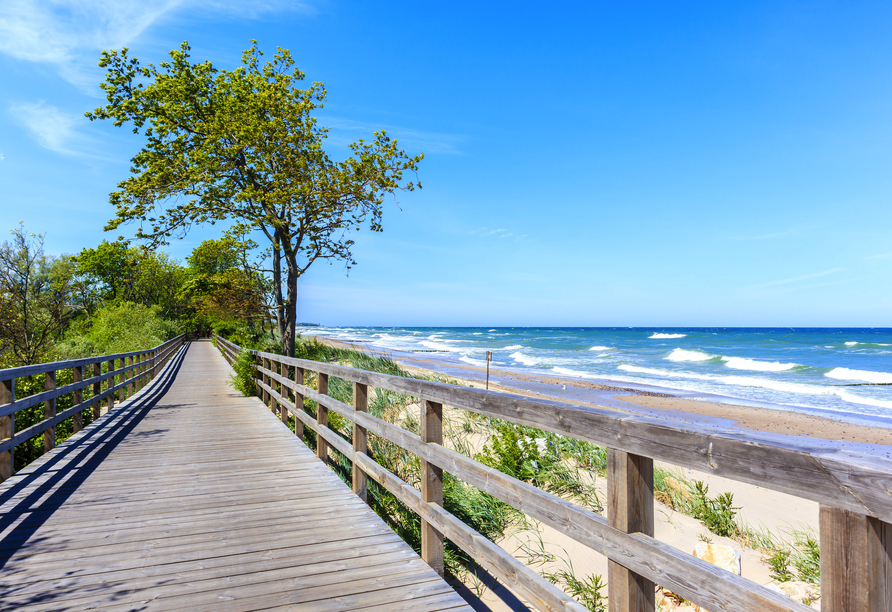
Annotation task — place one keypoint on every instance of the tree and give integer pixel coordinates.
(224, 284)
(131, 274)
(242, 145)
(34, 291)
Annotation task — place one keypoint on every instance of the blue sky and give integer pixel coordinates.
(585, 163)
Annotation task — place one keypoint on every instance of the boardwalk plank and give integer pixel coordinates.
(191, 497)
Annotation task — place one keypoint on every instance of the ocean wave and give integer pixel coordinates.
(667, 336)
(476, 362)
(852, 343)
(600, 348)
(742, 363)
(860, 375)
(492, 330)
(524, 359)
(683, 355)
(736, 381)
(438, 346)
(513, 347)
(573, 373)
(848, 396)
(477, 334)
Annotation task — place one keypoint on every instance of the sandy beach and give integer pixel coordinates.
(763, 509)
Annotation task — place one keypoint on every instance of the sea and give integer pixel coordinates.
(827, 371)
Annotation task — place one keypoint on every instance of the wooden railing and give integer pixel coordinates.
(125, 374)
(854, 490)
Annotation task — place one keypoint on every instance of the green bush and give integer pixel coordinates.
(121, 327)
(242, 377)
(718, 514)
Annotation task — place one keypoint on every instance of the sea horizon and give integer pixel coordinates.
(843, 371)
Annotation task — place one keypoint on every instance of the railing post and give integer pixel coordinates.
(321, 418)
(432, 484)
(97, 389)
(298, 403)
(152, 366)
(360, 439)
(111, 384)
(265, 364)
(122, 378)
(283, 391)
(257, 363)
(77, 422)
(49, 411)
(7, 427)
(630, 508)
(130, 376)
(273, 403)
(856, 562)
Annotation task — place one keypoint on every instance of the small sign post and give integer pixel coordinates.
(488, 359)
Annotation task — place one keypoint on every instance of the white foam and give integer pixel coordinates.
(737, 381)
(475, 362)
(852, 343)
(524, 359)
(477, 334)
(683, 355)
(860, 375)
(573, 373)
(666, 336)
(742, 363)
(492, 330)
(600, 348)
(860, 399)
(513, 347)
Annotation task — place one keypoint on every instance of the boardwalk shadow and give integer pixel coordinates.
(26, 506)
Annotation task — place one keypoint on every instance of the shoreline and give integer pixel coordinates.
(669, 404)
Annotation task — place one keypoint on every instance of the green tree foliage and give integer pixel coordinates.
(224, 286)
(34, 293)
(242, 145)
(117, 271)
(121, 327)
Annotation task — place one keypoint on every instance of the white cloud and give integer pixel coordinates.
(69, 34)
(52, 128)
(345, 131)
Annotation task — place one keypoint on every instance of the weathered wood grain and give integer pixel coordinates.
(143, 510)
(432, 485)
(845, 479)
(630, 508)
(360, 440)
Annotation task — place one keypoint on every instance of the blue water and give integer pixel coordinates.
(836, 369)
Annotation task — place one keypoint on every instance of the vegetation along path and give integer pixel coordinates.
(190, 496)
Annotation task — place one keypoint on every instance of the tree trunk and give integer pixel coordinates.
(290, 310)
(277, 281)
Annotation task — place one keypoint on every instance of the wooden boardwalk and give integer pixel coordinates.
(191, 497)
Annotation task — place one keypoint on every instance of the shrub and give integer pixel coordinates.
(121, 327)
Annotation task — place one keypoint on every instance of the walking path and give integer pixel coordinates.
(191, 497)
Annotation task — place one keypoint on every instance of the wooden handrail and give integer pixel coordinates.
(137, 368)
(851, 483)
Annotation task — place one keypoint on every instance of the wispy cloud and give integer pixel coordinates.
(56, 130)
(795, 279)
(345, 131)
(69, 34)
(52, 128)
(880, 256)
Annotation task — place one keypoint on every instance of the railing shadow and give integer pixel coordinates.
(70, 464)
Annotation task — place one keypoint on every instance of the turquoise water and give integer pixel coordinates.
(837, 369)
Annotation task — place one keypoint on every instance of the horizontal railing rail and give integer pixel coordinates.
(124, 375)
(854, 489)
